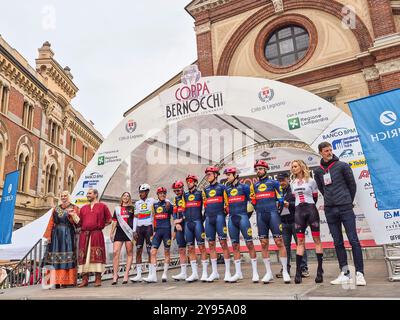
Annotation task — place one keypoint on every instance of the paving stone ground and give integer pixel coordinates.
(378, 287)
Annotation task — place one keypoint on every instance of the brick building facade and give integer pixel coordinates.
(352, 46)
(353, 49)
(41, 134)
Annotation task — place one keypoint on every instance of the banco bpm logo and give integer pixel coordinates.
(294, 123)
(388, 118)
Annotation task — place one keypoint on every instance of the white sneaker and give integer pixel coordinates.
(151, 278)
(213, 276)
(235, 278)
(164, 277)
(227, 276)
(256, 278)
(286, 277)
(180, 276)
(138, 278)
(268, 278)
(360, 280)
(193, 277)
(341, 279)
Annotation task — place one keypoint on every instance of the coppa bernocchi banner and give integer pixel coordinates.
(296, 114)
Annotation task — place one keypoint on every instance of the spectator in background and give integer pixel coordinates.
(336, 182)
(288, 225)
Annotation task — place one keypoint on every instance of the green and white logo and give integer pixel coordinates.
(294, 123)
(100, 161)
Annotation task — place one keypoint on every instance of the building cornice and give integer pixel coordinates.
(21, 76)
(197, 6)
(82, 130)
(51, 69)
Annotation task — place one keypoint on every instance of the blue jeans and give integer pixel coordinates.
(289, 231)
(336, 216)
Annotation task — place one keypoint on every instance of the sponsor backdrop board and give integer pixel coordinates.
(7, 207)
(286, 112)
(279, 160)
(297, 114)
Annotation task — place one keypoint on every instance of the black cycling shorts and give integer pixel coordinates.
(144, 233)
(306, 214)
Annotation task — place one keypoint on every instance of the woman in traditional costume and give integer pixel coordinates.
(60, 234)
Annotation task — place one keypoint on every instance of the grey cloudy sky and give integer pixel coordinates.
(118, 51)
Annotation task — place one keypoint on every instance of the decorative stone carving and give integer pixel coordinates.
(371, 73)
(203, 5)
(205, 27)
(278, 5)
(388, 66)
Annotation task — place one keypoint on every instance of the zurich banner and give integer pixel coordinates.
(7, 207)
(377, 119)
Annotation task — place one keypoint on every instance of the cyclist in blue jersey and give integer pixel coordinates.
(162, 233)
(194, 229)
(179, 230)
(238, 200)
(215, 202)
(266, 194)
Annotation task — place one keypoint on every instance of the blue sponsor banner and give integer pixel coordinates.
(7, 207)
(377, 119)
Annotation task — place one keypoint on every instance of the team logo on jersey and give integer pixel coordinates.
(203, 235)
(212, 193)
(143, 206)
(262, 187)
(225, 230)
(249, 232)
(180, 203)
(159, 209)
(234, 192)
(169, 242)
(280, 227)
(191, 197)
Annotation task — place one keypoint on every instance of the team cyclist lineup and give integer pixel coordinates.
(200, 216)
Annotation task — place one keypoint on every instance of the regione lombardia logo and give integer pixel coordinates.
(388, 118)
(130, 126)
(266, 94)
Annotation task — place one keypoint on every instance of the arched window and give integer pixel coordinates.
(54, 131)
(4, 147)
(51, 179)
(70, 178)
(23, 167)
(25, 157)
(4, 96)
(70, 183)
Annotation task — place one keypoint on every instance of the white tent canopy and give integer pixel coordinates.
(253, 111)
